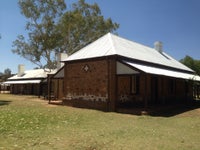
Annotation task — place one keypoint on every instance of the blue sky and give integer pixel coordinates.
(174, 22)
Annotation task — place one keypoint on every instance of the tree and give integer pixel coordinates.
(4, 76)
(82, 25)
(1, 75)
(52, 31)
(7, 72)
(191, 63)
(42, 40)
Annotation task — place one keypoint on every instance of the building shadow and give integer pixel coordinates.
(169, 110)
(4, 102)
(176, 109)
(160, 110)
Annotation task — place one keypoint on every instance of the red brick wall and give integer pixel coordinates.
(112, 90)
(124, 87)
(86, 81)
(94, 84)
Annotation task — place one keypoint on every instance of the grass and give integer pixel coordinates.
(30, 123)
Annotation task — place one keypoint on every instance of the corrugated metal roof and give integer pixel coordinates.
(31, 74)
(111, 44)
(164, 72)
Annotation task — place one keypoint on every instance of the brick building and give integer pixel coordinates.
(28, 82)
(113, 72)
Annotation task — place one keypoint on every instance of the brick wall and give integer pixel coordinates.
(124, 88)
(87, 81)
(94, 84)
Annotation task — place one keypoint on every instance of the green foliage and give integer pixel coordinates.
(82, 25)
(191, 63)
(42, 40)
(52, 31)
(7, 72)
(4, 76)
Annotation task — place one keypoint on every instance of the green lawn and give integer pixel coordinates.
(30, 123)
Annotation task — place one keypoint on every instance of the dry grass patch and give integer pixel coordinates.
(28, 123)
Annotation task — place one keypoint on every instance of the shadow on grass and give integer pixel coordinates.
(161, 110)
(4, 102)
(167, 110)
(175, 109)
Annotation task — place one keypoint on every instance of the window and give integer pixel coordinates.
(134, 84)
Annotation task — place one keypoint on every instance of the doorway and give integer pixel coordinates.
(154, 90)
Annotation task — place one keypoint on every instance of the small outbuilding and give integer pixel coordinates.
(113, 72)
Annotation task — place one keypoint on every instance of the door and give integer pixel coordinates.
(154, 90)
(123, 89)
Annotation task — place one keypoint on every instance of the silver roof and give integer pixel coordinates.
(111, 44)
(163, 72)
(22, 82)
(31, 74)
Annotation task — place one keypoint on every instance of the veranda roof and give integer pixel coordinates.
(163, 72)
(23, 82)
(30, 74)
(30, 77)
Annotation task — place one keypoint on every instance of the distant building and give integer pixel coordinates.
(37, 81)
(4, 88)
(113, 72)
(28, 82)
